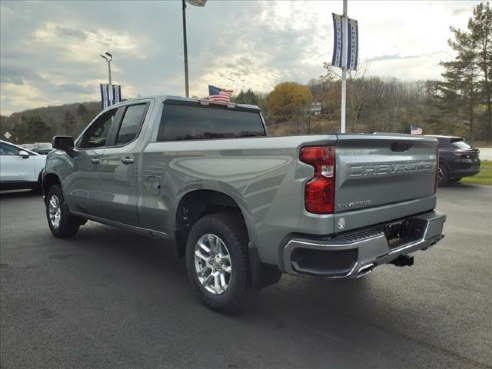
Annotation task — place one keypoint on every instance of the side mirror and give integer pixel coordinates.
(24, 154)
(63, 143)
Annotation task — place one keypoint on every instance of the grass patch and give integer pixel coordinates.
(484, 177)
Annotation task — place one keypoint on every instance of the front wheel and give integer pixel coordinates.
(217, 262)
(62, 224)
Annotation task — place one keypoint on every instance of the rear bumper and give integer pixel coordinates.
(356, 253)
(465, 172)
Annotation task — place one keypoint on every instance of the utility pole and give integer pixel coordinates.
(343, 107)
(185, 47)
(200, 3)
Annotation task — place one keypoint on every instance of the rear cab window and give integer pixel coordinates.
(192, 121)
(131, 123)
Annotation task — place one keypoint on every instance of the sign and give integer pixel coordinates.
(353, 44)
(336, 60)
(116, 94)
(106, 99)
(200, 3)
(339, 49)
(7, 135)
(104, 96)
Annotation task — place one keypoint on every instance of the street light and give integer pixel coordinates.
(108, 57)
(200, 3)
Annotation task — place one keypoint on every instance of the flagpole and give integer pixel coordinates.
(185, 47)
(344, 67)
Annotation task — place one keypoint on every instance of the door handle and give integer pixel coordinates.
(127, 160)
(95, 161)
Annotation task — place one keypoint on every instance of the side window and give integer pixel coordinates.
(98, 133)
(130, 125)
(7, 150)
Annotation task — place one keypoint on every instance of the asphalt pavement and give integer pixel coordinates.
(112, 299)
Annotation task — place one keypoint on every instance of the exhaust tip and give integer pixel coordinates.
(366, 269)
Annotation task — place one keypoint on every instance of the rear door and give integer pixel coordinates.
(395, 174)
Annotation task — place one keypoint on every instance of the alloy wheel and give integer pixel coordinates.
(54, 211)
(213, 264)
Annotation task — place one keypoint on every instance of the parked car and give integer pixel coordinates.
(457, 159)
(19, 167)
(42, 148)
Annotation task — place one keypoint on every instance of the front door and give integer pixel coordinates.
(84, 185)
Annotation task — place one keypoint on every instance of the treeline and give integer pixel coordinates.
(41, 124)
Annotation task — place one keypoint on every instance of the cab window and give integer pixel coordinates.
(97, 135)
(131, 123)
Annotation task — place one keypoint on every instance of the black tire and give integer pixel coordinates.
(62, 224)
(230, 229)
(443, 175)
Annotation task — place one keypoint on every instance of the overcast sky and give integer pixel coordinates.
(50, 49)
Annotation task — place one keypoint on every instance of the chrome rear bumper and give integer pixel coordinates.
(357, 253)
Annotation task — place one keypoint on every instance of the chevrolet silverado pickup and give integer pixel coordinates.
(240, 206)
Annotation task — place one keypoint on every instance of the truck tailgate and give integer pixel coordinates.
(381, 170)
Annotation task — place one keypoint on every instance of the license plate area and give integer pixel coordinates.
(399, 232)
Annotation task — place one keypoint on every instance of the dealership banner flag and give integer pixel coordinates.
(104, 96)
(106, 99)
(338, 48)
(116, 94)
(353, 44)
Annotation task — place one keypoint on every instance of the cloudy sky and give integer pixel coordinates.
(50, 49)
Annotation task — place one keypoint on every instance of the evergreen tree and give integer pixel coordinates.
(467, 77)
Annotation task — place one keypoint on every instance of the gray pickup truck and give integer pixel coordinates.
(243, 208)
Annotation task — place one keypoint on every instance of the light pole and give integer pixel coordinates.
(200, 3)
(108, 57)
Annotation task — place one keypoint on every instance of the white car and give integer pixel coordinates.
(19, 168)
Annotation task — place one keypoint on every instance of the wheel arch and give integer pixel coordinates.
(195, 205)
(48, 180)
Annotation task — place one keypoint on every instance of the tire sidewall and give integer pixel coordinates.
(239, 277)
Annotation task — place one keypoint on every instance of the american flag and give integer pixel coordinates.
(414, 130)
(219, 95)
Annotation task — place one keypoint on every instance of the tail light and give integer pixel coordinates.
(319, 194)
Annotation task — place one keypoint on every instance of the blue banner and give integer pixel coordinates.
(104, 96)
(353, 44)
(106, 99)
(116, 94)
(338, 48)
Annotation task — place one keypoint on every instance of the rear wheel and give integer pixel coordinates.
(442, 175)
(217, 262)
(62, 224)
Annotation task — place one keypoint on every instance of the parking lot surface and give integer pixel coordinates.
(111, 299)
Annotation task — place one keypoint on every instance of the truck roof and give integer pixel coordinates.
(204, 101)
